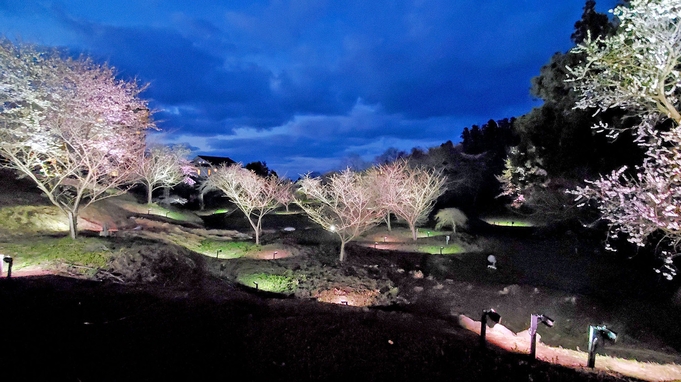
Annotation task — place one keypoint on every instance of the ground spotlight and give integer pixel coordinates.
(598, 335)
(9, 260)
(494, 316)
(535, 319)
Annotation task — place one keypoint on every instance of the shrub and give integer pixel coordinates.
(450, 217)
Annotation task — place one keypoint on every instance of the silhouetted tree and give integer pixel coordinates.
(260, 169)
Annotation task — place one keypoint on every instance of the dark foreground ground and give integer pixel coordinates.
(60, 329)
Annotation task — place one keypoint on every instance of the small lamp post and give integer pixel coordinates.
(494, 316)
(9, 260)
(274, 255)
(217, 255)
(385, 239)
(597, 336)
(441, 248)
(375, 244)
(534, 321)
(428, 233)
(447, 240)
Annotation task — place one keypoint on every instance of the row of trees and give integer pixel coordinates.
(346, 203)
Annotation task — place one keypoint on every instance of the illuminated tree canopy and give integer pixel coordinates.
(637, 69)
(345, 204)
(409, 192)
(254, 195)
(164, 166)
(69, 125)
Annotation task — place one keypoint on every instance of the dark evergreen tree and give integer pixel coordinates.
(592, 23)
(260, 169)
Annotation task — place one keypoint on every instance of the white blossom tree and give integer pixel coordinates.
(637, 69)
(344, 204)
(285, 193)
(163, 166)
(409, 192)
(69, 125)
(254, 195)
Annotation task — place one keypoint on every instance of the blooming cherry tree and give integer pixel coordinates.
(345, 204)
(409, 192)
(285, 193)
(638, 69)
(254, 195)
(70, 126)
(164, 166)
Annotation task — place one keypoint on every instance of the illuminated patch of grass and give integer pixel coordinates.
(33, 219)
(508, 222)
(85, 252)
(424, 232)
(228, 249)
(220, 211)
(446, 249)
(269, 282)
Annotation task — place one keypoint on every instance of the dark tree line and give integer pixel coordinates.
(493, 136)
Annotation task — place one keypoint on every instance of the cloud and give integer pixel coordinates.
(309, 82)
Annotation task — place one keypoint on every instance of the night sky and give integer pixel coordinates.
(312, 85)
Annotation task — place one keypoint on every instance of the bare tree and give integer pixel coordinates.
(164, 166)
(254, 195)
(70, 126)
(409, 192)
(344, 204)
(285, 193)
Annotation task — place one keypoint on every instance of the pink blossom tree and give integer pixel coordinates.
(409, 192)
(70, 126)
(164, 166)
(254, 195)
(285, 193)
(344, 204)
(637, 69)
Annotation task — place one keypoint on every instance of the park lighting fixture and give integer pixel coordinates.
(9, 260)
(217, 255)
(274, 255)
(598, 335)
(332, 228)
(534, 322)
(441, 248)
(494, 316)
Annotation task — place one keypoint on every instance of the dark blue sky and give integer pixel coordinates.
(306, 84)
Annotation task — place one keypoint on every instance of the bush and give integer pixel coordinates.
(450, 217)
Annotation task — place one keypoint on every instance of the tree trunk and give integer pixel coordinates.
(387, 220)
(149, 192)
(73, 224)
(342, 251)
(166, 194)
(256, 228)
(412, 227)
(202, 205)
